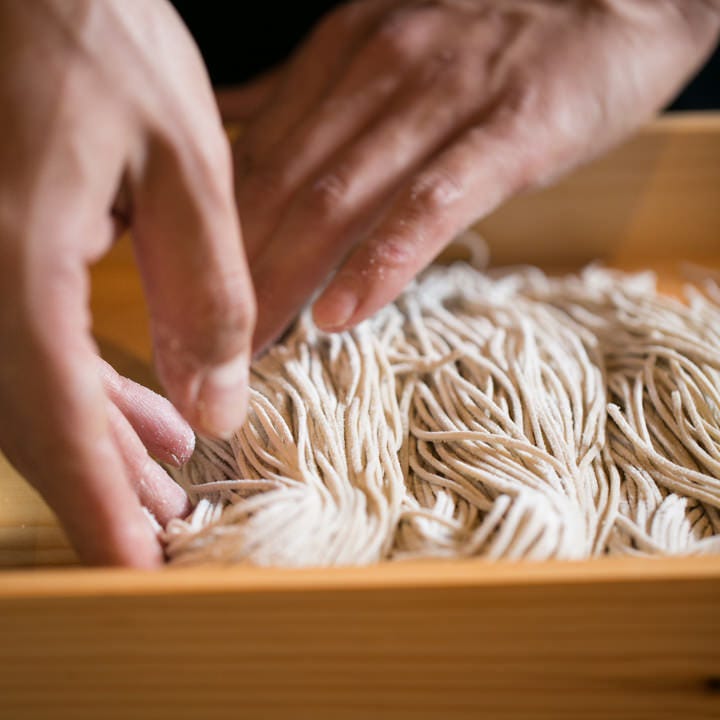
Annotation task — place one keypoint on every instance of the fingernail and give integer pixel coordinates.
(184, 449)
(335, 308)
(222, 397)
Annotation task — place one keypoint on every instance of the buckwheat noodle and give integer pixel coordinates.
(509, 415)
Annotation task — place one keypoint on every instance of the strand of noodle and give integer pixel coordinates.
(509, 415)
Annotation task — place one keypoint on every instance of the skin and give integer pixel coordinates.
(108, 120)
(400, 122)
(393, 127)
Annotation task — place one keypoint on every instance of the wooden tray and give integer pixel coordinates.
(467, 639)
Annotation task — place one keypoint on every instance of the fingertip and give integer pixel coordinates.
(222, 398)
(374, 275)
(334, 310)
(163, 496)
(183, 448)
(164, 432)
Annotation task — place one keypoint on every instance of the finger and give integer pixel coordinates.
(266, 190)
(199, 292)
(314, 67)
(383, 63)
(53, 411)
(241, 102)
(157, 423)
(157, 491)
(462, 184)
(344, 200)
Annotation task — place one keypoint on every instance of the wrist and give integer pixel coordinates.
(688, 29)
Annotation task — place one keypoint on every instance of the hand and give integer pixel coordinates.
(401, 122)
(107, 114)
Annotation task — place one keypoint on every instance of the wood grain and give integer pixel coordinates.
(657, 198)
(424, 640)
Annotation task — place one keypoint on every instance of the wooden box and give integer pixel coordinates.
(598, 639)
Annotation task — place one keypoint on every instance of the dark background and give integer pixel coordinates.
(238, 50)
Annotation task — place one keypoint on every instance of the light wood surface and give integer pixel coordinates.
(656, 197)
(428, 640)
(608, 638)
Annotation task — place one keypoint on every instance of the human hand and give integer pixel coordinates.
(107, 113)
(400, 122)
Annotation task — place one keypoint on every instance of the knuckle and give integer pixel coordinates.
(328, 195)
(400, 35)
(395, 251)
(210, 328)
(231, 311)
(433, 192)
